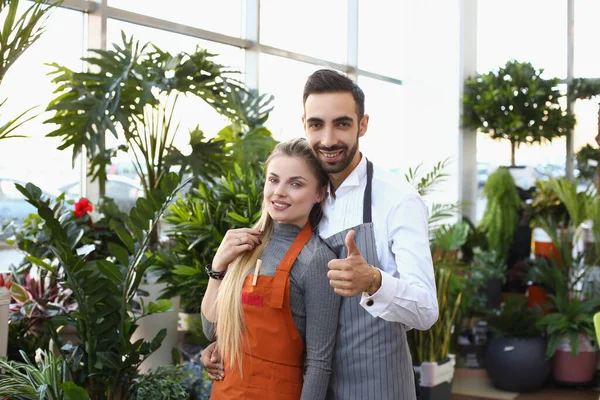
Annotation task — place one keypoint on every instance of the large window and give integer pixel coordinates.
(190, 111)
(223, 16)
(388, 24)
(314, 28)
(284, 79)
(532, 30)
(586, 61)
(385, 143)
(36, 158)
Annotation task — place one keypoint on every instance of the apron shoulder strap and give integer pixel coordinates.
(367, 215)
(283, 269)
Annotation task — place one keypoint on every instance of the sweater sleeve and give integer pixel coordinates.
(322, 309)
(209, 328)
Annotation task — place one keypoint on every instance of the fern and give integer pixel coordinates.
(500, 217)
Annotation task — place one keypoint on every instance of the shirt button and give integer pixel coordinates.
(370, 302)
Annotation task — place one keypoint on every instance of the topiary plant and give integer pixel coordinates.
(516, 104)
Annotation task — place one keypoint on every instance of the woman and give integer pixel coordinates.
(276, 329)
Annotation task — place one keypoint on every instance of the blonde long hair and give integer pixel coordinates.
(230, 318)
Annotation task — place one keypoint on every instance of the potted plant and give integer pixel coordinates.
(430, 350)
(570, 331)
(107, 359)
(515, 355)
(516, 104)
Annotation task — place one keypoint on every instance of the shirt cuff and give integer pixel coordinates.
(377, 303)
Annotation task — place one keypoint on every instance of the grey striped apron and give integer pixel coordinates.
(372, 360)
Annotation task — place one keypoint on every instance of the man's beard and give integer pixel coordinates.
(343, 163)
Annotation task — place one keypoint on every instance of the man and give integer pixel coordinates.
(376, 223)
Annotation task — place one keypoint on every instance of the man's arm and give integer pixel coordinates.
(411, 298)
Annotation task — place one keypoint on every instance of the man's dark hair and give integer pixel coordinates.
(331, 81)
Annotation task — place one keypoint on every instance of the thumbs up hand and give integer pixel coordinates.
(352, 275)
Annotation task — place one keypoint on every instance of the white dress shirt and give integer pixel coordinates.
(408, 291)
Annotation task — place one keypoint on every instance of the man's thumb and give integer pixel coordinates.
(351, 244)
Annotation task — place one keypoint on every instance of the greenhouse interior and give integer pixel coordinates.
(144, 248)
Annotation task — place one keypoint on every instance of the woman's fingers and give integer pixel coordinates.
(247, 238)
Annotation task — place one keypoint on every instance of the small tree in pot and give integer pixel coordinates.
(515, 354)
(516, 104)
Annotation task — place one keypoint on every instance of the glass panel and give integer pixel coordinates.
(586, 58)
(190, 111)
(376, 27)
(546, 158)
(36, 158)
(285, 121)
(529, 31)
(223, 16)
(312, 27)
(384, 103)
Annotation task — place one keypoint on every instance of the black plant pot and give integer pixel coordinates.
(517, 364)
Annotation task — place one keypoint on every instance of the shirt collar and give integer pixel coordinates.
(354, 179)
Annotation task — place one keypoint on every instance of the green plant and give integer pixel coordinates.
(133, 89)
(514, 319)
(516, 104)
(501, 214)
(588, 161)
(48, 379)
(573, 317)
(18, 33)
(545, 204)
(21, 338)
(425, 184)
(433, 345)
(445, 242)
(163, 383)
(490, 263)
(106, 361)
(199, 222)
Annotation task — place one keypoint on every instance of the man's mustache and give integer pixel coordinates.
(332, 148)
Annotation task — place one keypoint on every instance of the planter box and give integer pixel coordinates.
(149, 326)
(435, 379)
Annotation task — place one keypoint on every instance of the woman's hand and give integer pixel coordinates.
(235, 242)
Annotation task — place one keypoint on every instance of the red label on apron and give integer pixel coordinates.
(252, 299)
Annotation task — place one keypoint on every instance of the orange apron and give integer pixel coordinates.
(273, 357)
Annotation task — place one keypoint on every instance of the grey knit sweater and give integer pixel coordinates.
(314, 305)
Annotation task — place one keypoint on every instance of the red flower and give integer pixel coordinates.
(82, 207)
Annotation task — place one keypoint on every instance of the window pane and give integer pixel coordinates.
(311, 27)
(285, 121)
(528, 31)
(223, 16)
(36, 158)
(586, 58)
(376, 27)
(190, 111)
(384, 103)
(586, 128)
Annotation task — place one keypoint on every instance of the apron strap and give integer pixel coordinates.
(283, 269)
(367, 217)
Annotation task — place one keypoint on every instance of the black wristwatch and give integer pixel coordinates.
(218, 275)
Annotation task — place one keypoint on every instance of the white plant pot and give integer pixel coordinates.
(5, 284)
(432, 374)
(150, 325)
(435, 379)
